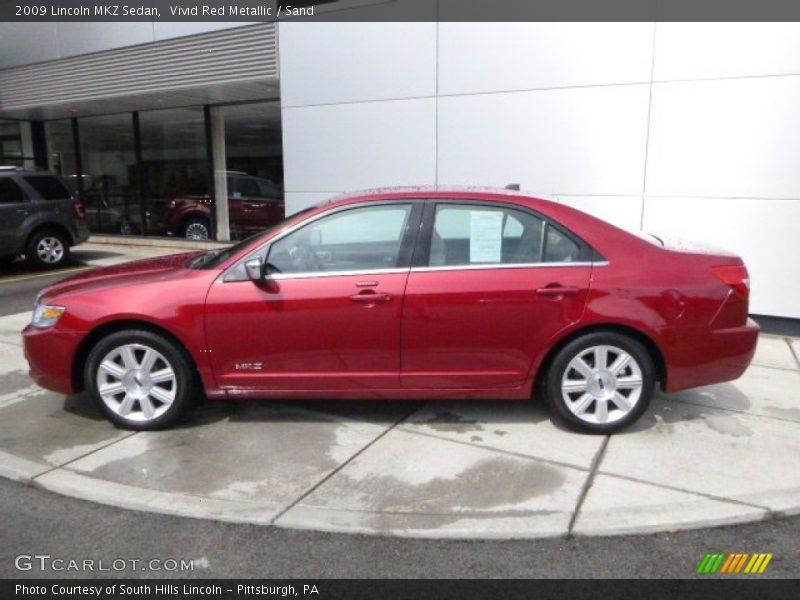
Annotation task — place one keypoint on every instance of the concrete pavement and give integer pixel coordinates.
(715, 455)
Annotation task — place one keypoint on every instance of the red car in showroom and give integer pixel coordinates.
(411, 293)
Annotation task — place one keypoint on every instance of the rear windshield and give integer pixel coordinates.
(49, 188)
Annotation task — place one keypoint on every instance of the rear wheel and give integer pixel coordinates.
(197, 229)
(139, 379)
(48, 249)
(600, 382)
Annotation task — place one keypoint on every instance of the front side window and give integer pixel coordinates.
(357, 239)
(466, 235)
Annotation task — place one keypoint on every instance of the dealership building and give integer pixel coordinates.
(678, 129)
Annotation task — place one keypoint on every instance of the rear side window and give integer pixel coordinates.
(49, 188)
(10, 191)
(481, 235)
(559, 248)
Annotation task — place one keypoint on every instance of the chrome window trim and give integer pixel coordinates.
(316, 274)
(540, 265)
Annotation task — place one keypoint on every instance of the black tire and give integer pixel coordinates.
(196, 229)
(36, 253)
(617, 418)
(7, 259)
(185, 382)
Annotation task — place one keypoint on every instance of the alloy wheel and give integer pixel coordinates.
(196, 231)
(602, 384)
(50, 250)
(136, 382)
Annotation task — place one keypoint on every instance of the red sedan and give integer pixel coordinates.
(422, 293)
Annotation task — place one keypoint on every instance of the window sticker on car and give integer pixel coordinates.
(485, 236)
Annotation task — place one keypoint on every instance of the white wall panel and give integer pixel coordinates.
(762, 232)
(25, 43)
(324, 63)
(575, 141)
(485, 57)
(84, 38)
(622, 211)
(709, 50)
(735, 137)
(353, 146)
(296, 201)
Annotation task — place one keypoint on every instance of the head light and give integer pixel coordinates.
(45, 315)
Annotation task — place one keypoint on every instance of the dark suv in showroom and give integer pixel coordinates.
(39, 217)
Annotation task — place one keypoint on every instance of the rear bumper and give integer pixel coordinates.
(702, 357)
(80, 232)
(50, 355)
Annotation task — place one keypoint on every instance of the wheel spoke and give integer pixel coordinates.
(148, 360)
(162, 376)
(126, 405)
(112, 388)
(161, 395)
(128, 358)
(621, 402)
(601, 412)
(582, 403)
(620, 363)
(631, 381)
(147, 407)
(574, 385)
(600, 358)
(581, 367)
(112, 368)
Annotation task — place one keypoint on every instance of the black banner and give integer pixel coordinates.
(416, 589)
(399, 10)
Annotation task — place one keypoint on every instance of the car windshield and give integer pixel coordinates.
(213, 258)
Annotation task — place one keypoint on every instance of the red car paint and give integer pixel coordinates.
(463, 333)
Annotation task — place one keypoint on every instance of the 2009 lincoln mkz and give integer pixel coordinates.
(404, 293)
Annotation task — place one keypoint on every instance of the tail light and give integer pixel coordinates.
(735, 276)
(79, 209)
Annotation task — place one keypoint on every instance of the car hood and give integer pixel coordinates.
(135, 272)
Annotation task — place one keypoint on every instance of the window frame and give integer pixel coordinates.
(22, 187)
(587, 255)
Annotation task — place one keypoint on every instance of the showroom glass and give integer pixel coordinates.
(254, 163)
(174, 163)
(359, 239)
(108, 160)
(10, 144)
(480, 235)
(61, 151)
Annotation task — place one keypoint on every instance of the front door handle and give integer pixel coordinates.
(370, 297)
(555, 289)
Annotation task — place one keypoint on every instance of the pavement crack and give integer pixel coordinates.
(84, 455)
(598, 458)
(355, 455)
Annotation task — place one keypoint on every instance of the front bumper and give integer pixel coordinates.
(698, 357)
(50, 354)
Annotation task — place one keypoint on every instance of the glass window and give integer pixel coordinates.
(109, 172)
(560, 248)
(254, 161)
(61, 151)
(10, 192)
(357, 239)
(10, 144)
(474, 235)
(48, 188)
(175, 170)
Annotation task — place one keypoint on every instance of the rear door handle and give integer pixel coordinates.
(557, 290)
(370, 297)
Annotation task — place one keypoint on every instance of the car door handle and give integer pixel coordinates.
(370, 297)
(555, 289)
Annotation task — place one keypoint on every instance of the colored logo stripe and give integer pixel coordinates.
(734, 563)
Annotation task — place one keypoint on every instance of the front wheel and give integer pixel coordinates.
(600, 382)
(197, 229)
(139, 379)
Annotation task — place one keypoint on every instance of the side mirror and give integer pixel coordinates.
(254, 269)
